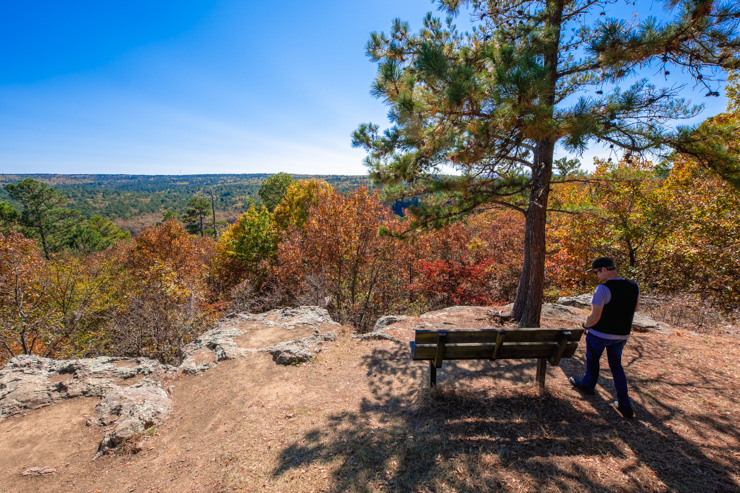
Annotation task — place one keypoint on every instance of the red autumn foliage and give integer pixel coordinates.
(475, 262)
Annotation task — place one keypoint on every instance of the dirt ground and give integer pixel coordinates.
(360, 417)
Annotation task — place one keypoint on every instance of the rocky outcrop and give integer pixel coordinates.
(131, 389)
(211, 347)
(289, 318)
(219, 343)
(31, 382)
(299, 350)
(130, 411)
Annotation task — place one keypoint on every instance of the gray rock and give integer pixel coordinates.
(298, 350)
(131, 411)
(422, 326)
(378, 332)
(376, 335)
(562, 311)
(190, 367)
(219, 341)
(29, 382)
(643, 323)
(303, 315)
(384, 322)
(580, 301)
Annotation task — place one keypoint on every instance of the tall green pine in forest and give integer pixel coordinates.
(8, 218)
(273, 189)
(495, 102)
(44, 216)
(195, 214)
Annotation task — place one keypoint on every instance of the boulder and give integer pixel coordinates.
(376, 336)
(384, 322)
(298, 350)
(209, 348)
(378, 332)
(131, 411)
(580, 301)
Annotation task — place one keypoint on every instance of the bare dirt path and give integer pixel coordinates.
(359, 417)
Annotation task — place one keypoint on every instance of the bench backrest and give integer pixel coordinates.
(439, 345)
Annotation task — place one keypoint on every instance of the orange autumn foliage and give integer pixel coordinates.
(27, 317)
(338, 257)
(166, 305)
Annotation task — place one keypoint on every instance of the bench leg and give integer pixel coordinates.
(432, 374)
(541, 372)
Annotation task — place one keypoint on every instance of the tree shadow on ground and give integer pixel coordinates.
(499, 437)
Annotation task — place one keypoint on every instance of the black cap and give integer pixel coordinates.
(602, 262)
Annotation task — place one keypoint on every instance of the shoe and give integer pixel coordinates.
(625, 411)
(577, 384)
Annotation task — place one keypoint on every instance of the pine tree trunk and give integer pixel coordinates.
(44, 244)
(535, 245)
(523, 288)
(213, 211)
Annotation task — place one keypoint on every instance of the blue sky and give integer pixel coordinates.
(168, 87)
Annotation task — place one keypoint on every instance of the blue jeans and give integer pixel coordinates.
(595, 346)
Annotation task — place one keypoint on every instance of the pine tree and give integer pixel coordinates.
(273, 189)
(195, 214)
(495, 102)
(96, 234)
(44, 215)
(8, 218)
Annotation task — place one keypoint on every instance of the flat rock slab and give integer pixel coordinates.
(291, 335)
(580, 301)
(291, 318)
(30, 382)
(211, 347)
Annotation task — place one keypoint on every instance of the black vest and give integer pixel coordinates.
(616, 318)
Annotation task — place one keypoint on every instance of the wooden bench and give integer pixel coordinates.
(545, 345)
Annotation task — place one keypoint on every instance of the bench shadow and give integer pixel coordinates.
(409, 438)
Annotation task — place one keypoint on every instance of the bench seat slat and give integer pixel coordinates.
(544, 335)
(485, 351)
(457, 336)
(490, 335)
